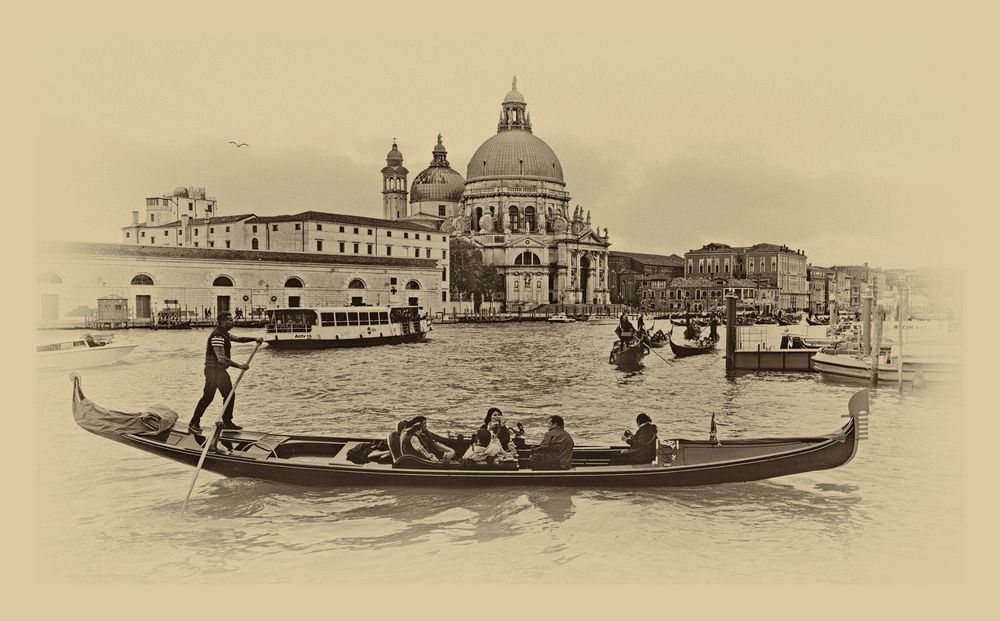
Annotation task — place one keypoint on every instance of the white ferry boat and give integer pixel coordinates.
(344, 326)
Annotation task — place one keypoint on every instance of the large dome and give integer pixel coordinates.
(515, 153)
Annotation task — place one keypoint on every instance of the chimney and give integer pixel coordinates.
(135, 218)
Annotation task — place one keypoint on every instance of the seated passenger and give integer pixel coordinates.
(555, 452)
(642, 443)
(486, 448)
(494, 415)
(417, 440)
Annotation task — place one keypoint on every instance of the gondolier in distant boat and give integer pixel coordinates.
(713, 328)
(217, 361)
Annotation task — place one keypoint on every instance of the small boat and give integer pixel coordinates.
(845, 366)
(702, 346)
(344, 326)
(322, 461)
(658, 339)
(678, 322)
(560, 318)
(816, 321)
(628, 356)
(88, 351)
(766, 321)
(180, 325)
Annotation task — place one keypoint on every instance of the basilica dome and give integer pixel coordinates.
(439, 181)
(515, 152)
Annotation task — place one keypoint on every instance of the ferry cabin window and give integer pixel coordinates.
(326, 319)
(352, 319)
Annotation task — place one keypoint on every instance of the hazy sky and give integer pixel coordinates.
(838, 129)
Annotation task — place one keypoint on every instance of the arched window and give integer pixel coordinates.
(51, 277)
(476, 217)
(413, 285)
(254, 244)
(222, 281)
(515, 219)
(529, 219)
(357, 283)
(527, 258)
(293, 282)
(142, 279)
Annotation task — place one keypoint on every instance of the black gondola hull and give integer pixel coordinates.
(317, 461)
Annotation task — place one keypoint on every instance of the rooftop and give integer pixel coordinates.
(651, 259)
(223, 254)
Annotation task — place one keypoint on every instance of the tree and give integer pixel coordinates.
(466, 266)
(469, 274)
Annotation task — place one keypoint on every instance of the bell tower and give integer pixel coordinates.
(394, 185)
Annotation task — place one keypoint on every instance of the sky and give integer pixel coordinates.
(845, 131)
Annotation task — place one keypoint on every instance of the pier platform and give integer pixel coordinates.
(773, 359)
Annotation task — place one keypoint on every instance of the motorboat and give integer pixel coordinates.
(560, 318)
(86, 351)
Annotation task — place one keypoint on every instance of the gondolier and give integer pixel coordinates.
(217, 361)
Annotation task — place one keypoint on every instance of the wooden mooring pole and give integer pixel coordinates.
(730, 332)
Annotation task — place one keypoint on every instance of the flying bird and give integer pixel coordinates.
(239, 144)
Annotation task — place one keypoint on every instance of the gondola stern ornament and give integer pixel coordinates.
(713, 436)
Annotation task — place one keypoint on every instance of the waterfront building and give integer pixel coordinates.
(633, 273)
(820, 284)
(74, 276)
(702, 294)
(772, 266)
(515, 209)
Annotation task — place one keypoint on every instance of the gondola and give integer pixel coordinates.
(817, 322)
(658, 339)
(321, 461)
(682, 323)
(630, 355)
(682, 351)
(179, 325)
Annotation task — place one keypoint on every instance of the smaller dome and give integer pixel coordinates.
(514, 96)
(394, 156)
(181, 192)
(437, 183)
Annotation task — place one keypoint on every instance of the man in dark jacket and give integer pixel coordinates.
(555, 452)
(641, 444)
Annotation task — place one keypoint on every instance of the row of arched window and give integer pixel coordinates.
(225, 281)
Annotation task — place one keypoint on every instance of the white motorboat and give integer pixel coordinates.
(860, 367)
(344, 326)
(87, 351)
(560, 318)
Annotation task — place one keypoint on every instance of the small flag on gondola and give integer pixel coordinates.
(713, 437)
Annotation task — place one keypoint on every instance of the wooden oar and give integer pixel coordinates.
(661, 357)
(217, 431)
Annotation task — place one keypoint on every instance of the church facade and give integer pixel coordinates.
(514, 206)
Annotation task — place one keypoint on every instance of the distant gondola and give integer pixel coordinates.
(627, 356)
(658, 339)
(682, 351)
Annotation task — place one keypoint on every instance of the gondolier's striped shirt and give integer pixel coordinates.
(218, 338)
